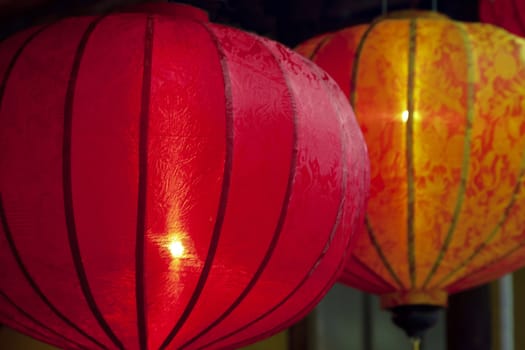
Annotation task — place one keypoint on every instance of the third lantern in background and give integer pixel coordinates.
(442, 107)
(508, 14)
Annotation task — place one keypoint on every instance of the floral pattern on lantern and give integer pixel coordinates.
(441, 104)
(169, 183)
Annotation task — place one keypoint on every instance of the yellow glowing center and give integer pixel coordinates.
(176, 249)
(404, 116)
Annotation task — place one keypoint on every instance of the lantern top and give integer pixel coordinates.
(171, 9)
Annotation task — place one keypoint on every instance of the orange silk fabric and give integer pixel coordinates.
(442, 107)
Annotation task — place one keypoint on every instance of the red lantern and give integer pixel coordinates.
(508, 14)
(167, 182)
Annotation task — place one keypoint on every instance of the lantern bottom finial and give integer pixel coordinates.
(415, 320)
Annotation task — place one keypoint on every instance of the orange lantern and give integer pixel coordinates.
(442, 107)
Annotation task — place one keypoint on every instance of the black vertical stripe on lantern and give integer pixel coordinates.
(456, 101)
(517, 187)
(377, 247)
(469, 116)
(304, 311)
(382, 281)
(15, 57)
(37, 322)
(493, 232)
(409, 151)
(519, 16)
(314, 301)
(143, 175)
(353, 98)
(68, 191)
(506, 256)
(318, 46)
(280, 221)
(223, 200)
(3, 217)
(298, 316)
(31, 281)
(336, 225)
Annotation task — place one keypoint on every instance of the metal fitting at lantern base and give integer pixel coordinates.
(415, 311)
(415, 320)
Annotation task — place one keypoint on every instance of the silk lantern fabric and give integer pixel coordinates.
(168, 183)
(441, 104)
(507, 14)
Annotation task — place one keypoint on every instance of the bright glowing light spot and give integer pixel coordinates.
(176, 249)
(404, 116)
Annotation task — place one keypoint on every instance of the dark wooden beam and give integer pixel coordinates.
(469, 320)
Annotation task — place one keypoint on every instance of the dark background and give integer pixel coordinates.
(287, 21)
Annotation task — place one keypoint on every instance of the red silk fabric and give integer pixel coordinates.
(169, 183)
(507, 14)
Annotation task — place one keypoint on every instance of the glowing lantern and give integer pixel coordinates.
(508, 14)
(442, 108)
(169, 183)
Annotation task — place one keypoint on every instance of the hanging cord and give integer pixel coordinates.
(416, 343)
(384, 7)
(434, 5)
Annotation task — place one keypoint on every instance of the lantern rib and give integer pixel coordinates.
(381, 254)
(365, 284)
(273, 309)
(470, 100)
(37, 322)
(409, 149)
(517, 15)
(68, 186)
(15, 58)
(280, 221)
(3, 217)
(495, 230)
(140, 293)
(319, 46)
(506, 255)
(355, 68)
(32, 282)
(303, 312)
(221, 211)
(323, 253)
(372, 272)
(353, 99)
